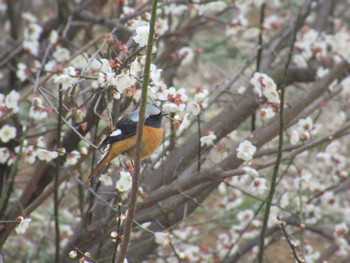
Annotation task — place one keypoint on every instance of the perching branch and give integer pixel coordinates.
(135, 179)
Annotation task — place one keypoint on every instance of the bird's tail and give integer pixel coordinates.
(109, 157)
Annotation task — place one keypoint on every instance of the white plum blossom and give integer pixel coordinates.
(310, 255)
(29, 17)
(94, 65)
(53, 38)
(162, 238)
(345, 84)
(124, 182)
(267, 113)
(236, 25)
(73, 254)
(38, 111)
(273, 97)
(208, 140)
(127, 10)
(50, 66)
(162, 26)
(294, 137)
(250, 171)
(211, 8)
(31, 37)
(194, 108)
(105, 179)
(300, 60)
(186, 55)
(250, 34)
(40, 142)
(201, 95)
(134, 24)
(258, 186)
(246, 150)
(45, 155)
(135, 68)
(303, 131)
(272, 23)
(170, 107)
(321, 72)
(23, 225)
(340, 230)
(65, 81)
(176, 100)
(80, 61)
(120, 82)
(32, 32)
(245, 215)
(156, 75)
(29, 154)
(22, 71)
(199, 102)
(141, 36)
(72, 158)
(340, 44)
(241, 90)
(11, 101)
(7, 133)
(329, 200)
(181, 123)
(264, 85)
(107, 79)
(105, 66)
(124, 80)
(61, 55)
(176, 9)
(306, 123)
(2, 103)
(5, 154)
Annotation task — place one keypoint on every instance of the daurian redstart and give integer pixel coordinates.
(123, 139)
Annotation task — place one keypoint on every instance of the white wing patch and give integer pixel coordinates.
(115, 133)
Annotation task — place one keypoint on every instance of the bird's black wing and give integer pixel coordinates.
(125, 129)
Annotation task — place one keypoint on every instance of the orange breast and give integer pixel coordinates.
(151, 139)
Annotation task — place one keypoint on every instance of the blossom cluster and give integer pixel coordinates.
(303, 131)
(265, 86)
(31, 34)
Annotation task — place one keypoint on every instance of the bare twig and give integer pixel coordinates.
(259, 55)
(56, 181)
(135, 179)
(290, 243)
(280, 147)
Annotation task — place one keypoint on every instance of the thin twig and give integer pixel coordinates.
(119, 222)
(259, 55)
(56, 182)
(290, 243)
(280, 147)
(135, 179)
(199, 142)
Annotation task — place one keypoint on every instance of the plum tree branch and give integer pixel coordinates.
(137, 166)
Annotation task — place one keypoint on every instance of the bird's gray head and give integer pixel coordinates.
(152, 112)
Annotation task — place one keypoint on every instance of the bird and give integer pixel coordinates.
(122, 140)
